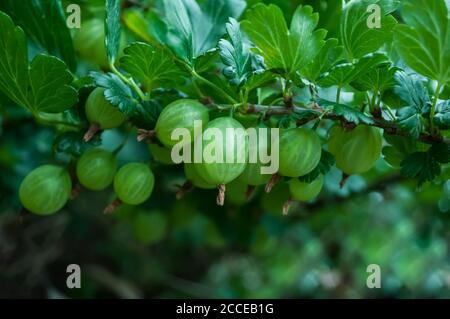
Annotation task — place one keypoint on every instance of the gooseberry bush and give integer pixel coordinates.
(370, 85)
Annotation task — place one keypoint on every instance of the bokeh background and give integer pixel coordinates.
(247, 249)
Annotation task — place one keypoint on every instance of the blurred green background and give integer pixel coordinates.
(192, 248)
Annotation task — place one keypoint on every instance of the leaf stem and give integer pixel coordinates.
(214, 86)
(338, 94)
(130, 82)
(52, 122)
(433, 107)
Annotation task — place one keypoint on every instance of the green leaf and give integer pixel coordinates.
(112, 29)
(153, 66)
(410, 120)
(327, 161)
(50, 90)
(117, 92)
(442, 115)
(349, 113)
(44, 22)
(424, 41)
(42, 88)
(421, 166)
(425, 166)
(136, 22)
(258, 79)
(284, 50)
(13, 61)
(339, 75)
(143, 114)
(377, 79)
(328, 56)
(342, 74)
(357, 37)
(412, 90)
(192, 30)
(146, 114)
(236, 55)
(72, 143)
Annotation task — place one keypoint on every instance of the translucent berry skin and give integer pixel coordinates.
(226, 171)
(252, 173)
(96, 169)
(305, 192)
(180, 114)
(45, 190)
(191, 175)
(134, 183)
(356, 151)
(300, 151)
(101, 112)
(161, 154)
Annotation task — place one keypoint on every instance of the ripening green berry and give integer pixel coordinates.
(45, 190)
(96, 169)
(252, 174)
(356, 151)
(300, 151)
(224, 170)
(180, 114)
(305, 192)
(134, 183)
(99, 111)
(196, 180)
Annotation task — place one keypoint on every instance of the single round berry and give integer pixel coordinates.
(356, 151)
(305, 192)
(100, 112)
(300, 151)
(182, 114)
(45, 190)
(221, 169)
(96, 169)
(191, 175)
(253, 174)
(134, 183)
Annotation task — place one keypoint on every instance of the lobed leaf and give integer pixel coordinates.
(424, 41)
(153, 66)
(285, 51)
